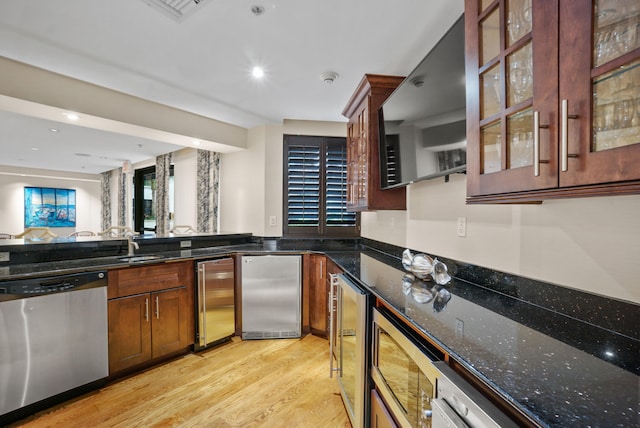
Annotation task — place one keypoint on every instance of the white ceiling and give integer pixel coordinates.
(202, 63)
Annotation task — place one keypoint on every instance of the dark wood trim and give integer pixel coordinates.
(537, 196)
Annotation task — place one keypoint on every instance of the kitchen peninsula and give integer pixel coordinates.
(555, 360)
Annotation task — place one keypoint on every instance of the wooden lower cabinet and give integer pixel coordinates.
(129, 332)
(169, 322)
(144, 327)
(318, 292)
(380, 416)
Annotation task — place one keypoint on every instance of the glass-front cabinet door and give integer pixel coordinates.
(599, 91)
(553, 97)
(510, 54)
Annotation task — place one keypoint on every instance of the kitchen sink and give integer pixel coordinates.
(140, 258)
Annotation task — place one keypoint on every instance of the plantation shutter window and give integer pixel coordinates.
(336, 186)
(303, 185)
(315, 188)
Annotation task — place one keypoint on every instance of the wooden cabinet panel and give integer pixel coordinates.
(129, 332)
(380, 416)
(363, 157)
(318, 294)
(544, 84)
(169, 327)
(146, 279)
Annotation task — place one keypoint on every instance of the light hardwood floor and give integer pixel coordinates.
(256, 383)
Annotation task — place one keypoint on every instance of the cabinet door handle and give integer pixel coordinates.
(157, 308)
(321, 275)
(564, 136)
(146, 309)
(536, 143)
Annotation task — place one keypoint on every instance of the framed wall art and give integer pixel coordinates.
(49, 207)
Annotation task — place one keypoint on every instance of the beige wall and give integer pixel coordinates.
(13, 181)
(243, 186)
(592, 244)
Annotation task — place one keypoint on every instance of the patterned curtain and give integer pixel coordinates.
(163, 171)
(208, 183)
(122, 198)
(106, 199)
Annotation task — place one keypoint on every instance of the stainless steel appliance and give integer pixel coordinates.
(458, 404)
(271, 296)
(403, 372)
(53, 338)
(216, 301)
(349, 341)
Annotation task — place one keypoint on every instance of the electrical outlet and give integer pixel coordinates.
(4, 257)
(272, 220)
(462, 227)
(459, 328)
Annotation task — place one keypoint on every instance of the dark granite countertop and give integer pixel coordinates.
(556, 369)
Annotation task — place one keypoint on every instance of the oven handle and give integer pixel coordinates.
(442, 412)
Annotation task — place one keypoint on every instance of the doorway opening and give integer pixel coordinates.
(144, 200)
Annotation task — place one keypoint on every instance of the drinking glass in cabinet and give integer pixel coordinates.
(616, 105)
(520, 134)
(492, 148)
(616, 29)
(491, 92)
(519, 19)
(520, 81)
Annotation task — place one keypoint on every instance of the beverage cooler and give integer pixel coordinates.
(349, 309)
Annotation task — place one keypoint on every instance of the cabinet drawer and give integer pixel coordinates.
(146, 279)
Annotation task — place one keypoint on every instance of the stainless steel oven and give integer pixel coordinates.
(458, 404)
(349, 341)
(403, 371)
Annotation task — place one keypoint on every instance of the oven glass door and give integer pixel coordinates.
(411, 389)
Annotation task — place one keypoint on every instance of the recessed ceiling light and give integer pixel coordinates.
(54, 130)
(257, 10)
(83, 155)
(34, 148)
(196, 142)
(72, 116)
(257, 72)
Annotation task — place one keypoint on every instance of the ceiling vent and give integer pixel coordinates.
(177, 9)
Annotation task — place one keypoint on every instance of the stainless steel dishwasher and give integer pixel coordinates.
(53, 338)
(271, 297)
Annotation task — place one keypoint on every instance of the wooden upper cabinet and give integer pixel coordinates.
(363, 157)
(553, 97)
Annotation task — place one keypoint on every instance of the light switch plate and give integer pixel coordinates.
(185, 244)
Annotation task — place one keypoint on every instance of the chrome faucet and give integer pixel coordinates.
(132, 245)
